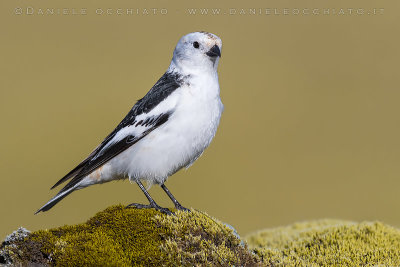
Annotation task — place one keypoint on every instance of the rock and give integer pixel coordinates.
(126, 237)
(135, 237)
(11, 240)
(328, 243)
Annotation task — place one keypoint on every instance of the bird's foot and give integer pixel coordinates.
(150, 206)
(180, 207)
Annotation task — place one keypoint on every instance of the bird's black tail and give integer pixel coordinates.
(56, 199)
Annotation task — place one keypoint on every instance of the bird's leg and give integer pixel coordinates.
(152, 204)
(178, 206)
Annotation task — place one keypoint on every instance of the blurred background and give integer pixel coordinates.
(311, 91)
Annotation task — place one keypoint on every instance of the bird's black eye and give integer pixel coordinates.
(196, 45)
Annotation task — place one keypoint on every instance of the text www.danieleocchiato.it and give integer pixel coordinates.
(285, 11)
(48, 11)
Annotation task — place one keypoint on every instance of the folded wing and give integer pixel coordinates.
(130, 130)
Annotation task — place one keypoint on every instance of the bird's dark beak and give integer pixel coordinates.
(214, 51)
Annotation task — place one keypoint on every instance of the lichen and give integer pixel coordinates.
(7, 255)
(328, 243)
(133, 237)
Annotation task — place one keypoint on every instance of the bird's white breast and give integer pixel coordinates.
(197, 110)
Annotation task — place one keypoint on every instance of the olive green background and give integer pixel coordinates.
(310, 130)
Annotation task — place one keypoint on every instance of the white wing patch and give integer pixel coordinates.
(143, 122)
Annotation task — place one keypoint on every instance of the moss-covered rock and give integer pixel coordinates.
(126, 237)
(135, 237)
(328, 243)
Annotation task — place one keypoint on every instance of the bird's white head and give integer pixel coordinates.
(198, 52)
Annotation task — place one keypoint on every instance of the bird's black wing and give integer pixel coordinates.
(108, 149)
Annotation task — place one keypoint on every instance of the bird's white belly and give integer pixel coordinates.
(175, 144)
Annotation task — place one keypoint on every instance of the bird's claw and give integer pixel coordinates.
(182, 208)
(150, 206)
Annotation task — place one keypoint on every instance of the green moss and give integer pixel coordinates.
(195, 238)
(133, 237)
(329, 243)
(115, 236)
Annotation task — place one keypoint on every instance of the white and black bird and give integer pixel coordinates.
(166, 130)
